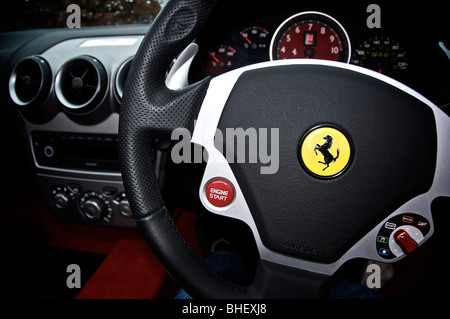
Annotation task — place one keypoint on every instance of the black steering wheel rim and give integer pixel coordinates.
(150, 111)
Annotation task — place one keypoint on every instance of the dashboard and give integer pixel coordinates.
(387, 38)
(66, 85)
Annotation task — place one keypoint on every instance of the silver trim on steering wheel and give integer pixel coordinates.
(217, 166)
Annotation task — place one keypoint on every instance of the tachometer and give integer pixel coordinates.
(381, 54)
(312, 35)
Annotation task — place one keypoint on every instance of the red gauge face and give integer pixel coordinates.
(310, 36)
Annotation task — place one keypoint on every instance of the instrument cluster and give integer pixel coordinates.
(304, 35)
(334, 33)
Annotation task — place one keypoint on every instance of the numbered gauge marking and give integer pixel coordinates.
(254, 38)
(310, 35)
(383, 55)
(220, 59)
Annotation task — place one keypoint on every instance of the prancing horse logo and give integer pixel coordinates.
(336, 152)
(325, 150)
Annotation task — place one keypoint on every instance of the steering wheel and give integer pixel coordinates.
(348, 162)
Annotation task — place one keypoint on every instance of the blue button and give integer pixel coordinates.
(384, 251)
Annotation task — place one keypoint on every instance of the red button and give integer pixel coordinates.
(405, 241)
(219, 192)
(407, 219)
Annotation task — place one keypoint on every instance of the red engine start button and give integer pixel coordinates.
(219, 192)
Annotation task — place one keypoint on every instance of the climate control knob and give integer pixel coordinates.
(94, 209)
(92, 205)
(124, 208)
(61, 199)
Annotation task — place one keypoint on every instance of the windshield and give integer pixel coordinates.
(34, 14)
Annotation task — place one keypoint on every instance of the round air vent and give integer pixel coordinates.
(121, 77)
(81, 84)
(30, 82)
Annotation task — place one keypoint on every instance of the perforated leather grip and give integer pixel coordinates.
(149, 110)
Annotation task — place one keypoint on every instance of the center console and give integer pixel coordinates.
(69, 98)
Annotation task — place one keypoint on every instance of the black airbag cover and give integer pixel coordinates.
(394, 146)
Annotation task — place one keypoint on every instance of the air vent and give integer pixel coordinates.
(81, 84)
(30, 82)
(121, 77)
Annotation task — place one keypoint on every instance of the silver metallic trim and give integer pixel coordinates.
(444, 48)
(178, 74)
(62, 123)
(109, 42)
(13, 80)
(12, 88)
(60, 94)
(217, 166)
(72, 179)
(119, 79)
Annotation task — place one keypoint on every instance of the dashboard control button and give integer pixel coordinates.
(422, 224)
(401, 235)
(75, 188)
(389, 225)
(406, 243)
(220, 192)
(94, 208)
(407, 219)
(109, 191)
(124, 208)
(384, 252)
(49, 151)
(61, 200)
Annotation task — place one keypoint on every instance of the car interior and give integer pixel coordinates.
(121, 180)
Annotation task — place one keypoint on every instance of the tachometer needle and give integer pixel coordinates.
(246, 38)
(214, 57)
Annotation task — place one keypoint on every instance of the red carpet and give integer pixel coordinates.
(131, 271)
